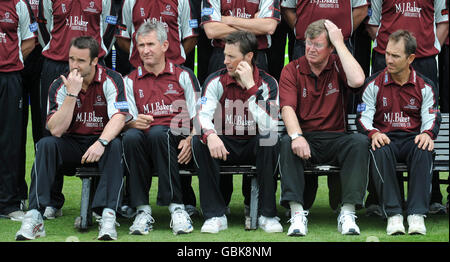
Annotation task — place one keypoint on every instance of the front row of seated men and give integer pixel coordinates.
(156, 119)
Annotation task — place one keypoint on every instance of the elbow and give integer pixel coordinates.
(271, 27)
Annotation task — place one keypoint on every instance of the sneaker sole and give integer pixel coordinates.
(22, 237)
(296, 233)
(396, 233)
(106, 237)
(138, 233)
(351, 232)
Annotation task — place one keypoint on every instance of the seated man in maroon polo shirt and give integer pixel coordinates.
(399, 113)
(313, 89)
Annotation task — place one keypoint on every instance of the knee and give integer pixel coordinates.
(158, 134)
(132, 137)
(47, 142)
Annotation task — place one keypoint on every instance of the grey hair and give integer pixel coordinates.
(150, 26)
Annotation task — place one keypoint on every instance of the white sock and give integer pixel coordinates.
(295, 207)
(146, 208)
(348, 208)
(174, 206)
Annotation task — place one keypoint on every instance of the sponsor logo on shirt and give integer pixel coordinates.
(240, 12)
(6, 18)
(168, 11)
(397, 119)
(253, 1)
(412, 105)
(89, 119)
(408, 9)
(91, 8)
(207, 11)
(331, 90)
(170, 90)
(325, 3)
(158, 108)
(99, 101)
(3, 38)
(77, 23)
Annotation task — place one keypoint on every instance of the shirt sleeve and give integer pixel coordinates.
(269, 9)
(115, 94)
(212, 91)
(127, 19)
(24, 22)
(366, 110)
(211, 11)
(289, 3)
(191, 88)
(187, 20)
(129, 89)
(439, 5)
(288, 87)
(431, 116)
(375, 17)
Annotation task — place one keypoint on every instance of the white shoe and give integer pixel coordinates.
(181, 222)
(347, 224)
(270, 224)
(32, 226)
(142, 223)
(52, 213)
(16, 215)
(416, 224)
(214, 225)
(395, 225)
(299, 224)
(107, 226)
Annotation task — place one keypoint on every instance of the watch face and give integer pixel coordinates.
(103, 142)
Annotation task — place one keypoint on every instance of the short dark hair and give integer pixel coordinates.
(247, 42)
(408, 40)
(86, 42)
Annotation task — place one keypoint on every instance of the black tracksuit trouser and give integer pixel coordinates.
(420, 163)
(55, 155)
(348, 151)
(146, 152)
(242, 151)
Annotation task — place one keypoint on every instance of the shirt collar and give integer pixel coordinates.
(411, 81)
(305, 69)
(169, 68)
(230, 81)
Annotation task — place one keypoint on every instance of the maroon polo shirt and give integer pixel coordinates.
(319, 101)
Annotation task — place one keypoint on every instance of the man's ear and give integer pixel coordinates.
(94, 61)
(249, 57)
(411, 58)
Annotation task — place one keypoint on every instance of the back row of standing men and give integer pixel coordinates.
(60, 21)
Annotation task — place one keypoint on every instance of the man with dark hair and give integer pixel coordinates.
(399, 113)
(160, 92)
(313, 92)
(244, 100)
(87, 110)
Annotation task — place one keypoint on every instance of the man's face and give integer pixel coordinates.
(396, 59)
(151, 51)
(233, 57)
(317, 50)
(80, 59)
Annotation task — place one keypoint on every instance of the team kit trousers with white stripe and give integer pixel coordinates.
(348, 151)
(420, 162)
(56, 156)
(153, 151)
(242, 151)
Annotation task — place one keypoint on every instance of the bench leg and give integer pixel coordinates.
(254, 203)
(85, 203)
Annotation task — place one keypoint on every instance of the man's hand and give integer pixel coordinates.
(216, 147)
(142, 122)
(93, 154)
(73, 82)
(245, 73)
(185, 155)
(301, 148)
(424, 142)
(379, 139)
(334, 33)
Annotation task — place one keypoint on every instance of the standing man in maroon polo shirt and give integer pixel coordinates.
(346, 14)
(312, 96)
(177, 17)
(87, 110)
(222, 17)
(17, 40)
(161, 93)
(427, 23)
(400, 114)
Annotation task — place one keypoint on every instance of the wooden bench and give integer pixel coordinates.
(441, 164)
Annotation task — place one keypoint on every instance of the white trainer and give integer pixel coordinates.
(32, 226)
(107, 226)
(299, 224)
(395, 225)
(52, 213)
(416, 224)
(214, 225)
(181, 222)
(142, 224)
(347, 224)
(270, 224)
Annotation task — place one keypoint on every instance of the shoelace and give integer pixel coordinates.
(416, 218)
(180, 216)
(103, 222)
(141, 218)
(347, 215)
(299, 214)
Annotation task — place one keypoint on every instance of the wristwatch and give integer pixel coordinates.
(104, 142)
(295, 135)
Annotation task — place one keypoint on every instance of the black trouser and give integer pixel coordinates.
(155, 148)
(420, 163)
(242, 151)
(12, 176)
(276, 52)
(443, 78)
(348, 151)
(216, 62)
(55, 155)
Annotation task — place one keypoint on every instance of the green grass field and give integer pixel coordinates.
(322, 221)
